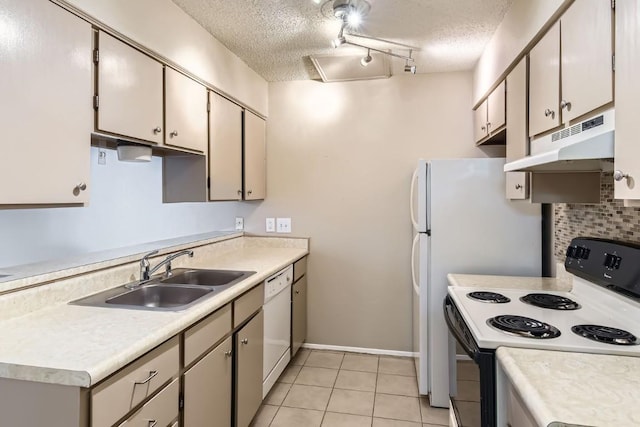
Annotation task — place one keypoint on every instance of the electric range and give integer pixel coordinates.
(601, 314)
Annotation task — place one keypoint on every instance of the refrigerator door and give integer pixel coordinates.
(421, 314)
(418, 199)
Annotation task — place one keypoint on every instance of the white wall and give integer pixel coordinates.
(340, 157)
(125, 209)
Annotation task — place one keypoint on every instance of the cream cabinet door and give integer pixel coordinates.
(185, 111)
(480, 122)
(45, 111)
(255, 157)
(544, 83)
(207, 389)
(516, 104)
(298, 314)
(627, 147)
(225, 149)
(249, 358)
(129, 90)
(587, 75)
(517, 136)
(496, 109)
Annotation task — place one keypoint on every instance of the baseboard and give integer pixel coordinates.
(358, 350)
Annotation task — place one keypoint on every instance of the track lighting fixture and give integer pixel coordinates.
(351, 13)
(367, 59)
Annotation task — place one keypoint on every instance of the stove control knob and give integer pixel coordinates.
(579, 252)
(571, 251)
(583, 253)
(612, 261)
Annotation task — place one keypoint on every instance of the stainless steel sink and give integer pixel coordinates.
(150, 296)
(155, 296)
(217, 279)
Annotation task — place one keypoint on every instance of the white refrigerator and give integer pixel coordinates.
(463, 223)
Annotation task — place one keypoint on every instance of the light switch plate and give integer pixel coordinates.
(283, 225)
(270, 225)
(239, 223)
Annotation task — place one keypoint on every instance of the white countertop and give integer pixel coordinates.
(79, 346)
(562, 388)
(510, 282)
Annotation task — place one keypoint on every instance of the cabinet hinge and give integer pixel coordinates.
(96, 56)
(613, 4)
(209, 182)
(208, 107)
(96, 102)
(181, 402)
(613, 62)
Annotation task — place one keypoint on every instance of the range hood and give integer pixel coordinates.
(578, 148)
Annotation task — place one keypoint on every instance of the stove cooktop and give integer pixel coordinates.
(591, 311)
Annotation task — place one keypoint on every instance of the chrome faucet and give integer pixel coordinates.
(145, 273)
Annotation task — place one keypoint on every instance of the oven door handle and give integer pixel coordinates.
(456, 332)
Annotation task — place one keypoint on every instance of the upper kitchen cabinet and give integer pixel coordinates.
(130, 91)
(517, 139)
(587, 58)
(225, 149)
(255, 157)
(185, 111)
(45, 113)
(544, 83)
(627, 149)
(489, 117)
(575, 55)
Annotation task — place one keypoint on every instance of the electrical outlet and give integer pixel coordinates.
(270, 225)
(239, 223)
(283, 225)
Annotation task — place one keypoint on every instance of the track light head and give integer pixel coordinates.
(410, 69)
(367, 59)
(339, 41)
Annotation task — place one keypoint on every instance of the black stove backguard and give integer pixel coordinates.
(609, 263)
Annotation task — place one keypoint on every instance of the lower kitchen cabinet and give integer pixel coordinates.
(161, 410)
(298, 314)
(248, 343)
(207, 389)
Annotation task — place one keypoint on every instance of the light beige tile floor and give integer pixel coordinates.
(334, 389)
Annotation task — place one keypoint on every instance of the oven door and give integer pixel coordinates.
(473, 389)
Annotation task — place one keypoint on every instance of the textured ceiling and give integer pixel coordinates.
(276, 37)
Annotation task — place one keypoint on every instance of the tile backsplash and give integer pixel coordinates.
(609, 219)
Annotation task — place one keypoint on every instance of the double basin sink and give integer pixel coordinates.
(183, 289)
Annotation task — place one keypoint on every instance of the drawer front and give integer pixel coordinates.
(160, 411)
(247, 304)
(201, 337)
(115, 397)
(299, 269)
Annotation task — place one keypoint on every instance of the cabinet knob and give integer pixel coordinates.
(228, 353)
(518, 186)
(81, 186)
(239, 192)
(619, 175)
(565, 104)
(249, 192)
(549, 112)
(297, 292)
(157, 130)
(245, 341)
(174, 133)
(488, 125)
(152, 423)
(483, 128)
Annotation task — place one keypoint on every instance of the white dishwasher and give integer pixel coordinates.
(277, 326)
